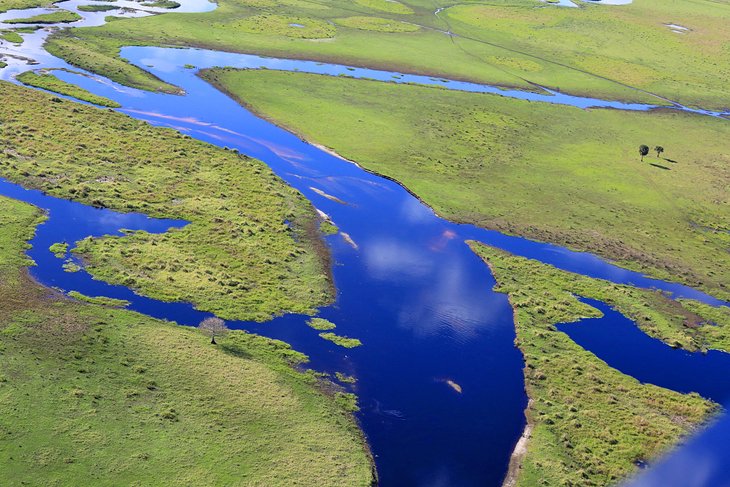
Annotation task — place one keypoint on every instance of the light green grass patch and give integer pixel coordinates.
(321, 324)
(11, 36)
(297, 27)
(53, 18)
(390, 6)
(50, 82)
(341, 341)
(100, 300)
(377, 24)
(59, 249)
(96, 8)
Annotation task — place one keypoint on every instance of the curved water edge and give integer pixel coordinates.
(410, 289)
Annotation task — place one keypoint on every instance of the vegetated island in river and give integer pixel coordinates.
(589, 424)
(549, 172)
(237, 258)
(96, 395)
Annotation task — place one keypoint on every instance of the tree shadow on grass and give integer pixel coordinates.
(660, 166)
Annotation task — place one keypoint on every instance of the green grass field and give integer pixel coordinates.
(595, 50)
(552, 173)
(590, 423)
(238, 257)
(52, 18)
(93, 395)
(6, 5)
(50, 82)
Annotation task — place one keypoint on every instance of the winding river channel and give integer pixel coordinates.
(408, 285)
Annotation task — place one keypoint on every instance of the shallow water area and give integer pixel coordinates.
(409, 288)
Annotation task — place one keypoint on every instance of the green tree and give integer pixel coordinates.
(643, 150)
(658, 149)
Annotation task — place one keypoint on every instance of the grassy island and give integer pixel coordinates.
(238, 257)
(62, 16)
(588, 423)
(50, 82)
(548, 172)
(94, 395)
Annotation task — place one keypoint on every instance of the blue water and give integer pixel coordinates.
(410, 289)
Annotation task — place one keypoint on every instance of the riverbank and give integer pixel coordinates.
(581, 185)
(252, 250)
(591, 424)
(94, 394)
(488, 43)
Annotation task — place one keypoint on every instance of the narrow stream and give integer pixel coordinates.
(409, 287)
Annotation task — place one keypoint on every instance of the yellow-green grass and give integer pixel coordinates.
(98, 396)
(237, 258)
(321, 324)
(50, 82)
(6, 5)
(59, 249)
(244, 26)
(341, 341)
(100, 300)
(589, 423)
(96, 8)
(630, 43)
(52, 18)
(11, 36)
(549, 172)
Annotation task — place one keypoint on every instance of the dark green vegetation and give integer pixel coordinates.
(237, 258)
(50, 82)
(100, 300)
(11, 36)
(3, 64)
(596, 50)
(52, 18)
(321, 324)
(340, 340)
(96, 8)
(549, 172)
(590, 423)
(93, 395)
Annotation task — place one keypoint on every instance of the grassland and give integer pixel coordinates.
(321, 324)
(11, 36)
(590, 424)
(52, 18)
(98, 396)
(6, 5)
(50, 82)
(100, 300)
(96, 8)
(238, 257)
(595, 50)
(548, 172)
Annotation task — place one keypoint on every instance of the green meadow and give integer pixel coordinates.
(52, 18)
(252, 249)
(548, 172)
(618, 52)
(93, 395)
(589, 423)
(50, 82)
(6, 5)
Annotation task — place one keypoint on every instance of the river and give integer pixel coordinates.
(409, 287)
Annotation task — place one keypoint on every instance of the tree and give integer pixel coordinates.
(658, 149)
(643, 150)
(213, 327)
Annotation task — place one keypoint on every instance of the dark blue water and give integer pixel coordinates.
(625, 347)
(705, 460)
(410, 288)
